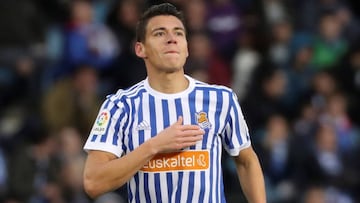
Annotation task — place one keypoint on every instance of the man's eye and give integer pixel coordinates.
(158, 34)
(179, 33)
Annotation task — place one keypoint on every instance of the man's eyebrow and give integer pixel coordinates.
(163, 28)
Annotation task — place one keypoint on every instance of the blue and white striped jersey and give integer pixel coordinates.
(132, 116)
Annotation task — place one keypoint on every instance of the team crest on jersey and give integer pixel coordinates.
(202, 120)
(101, 122)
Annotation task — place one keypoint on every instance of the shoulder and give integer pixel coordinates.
(124, 95)
(212, 87)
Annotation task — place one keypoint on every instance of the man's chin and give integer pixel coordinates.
(172, 69)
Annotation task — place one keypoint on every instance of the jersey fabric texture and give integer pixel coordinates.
(132, 116)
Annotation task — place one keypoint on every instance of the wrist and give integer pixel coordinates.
(151, 146)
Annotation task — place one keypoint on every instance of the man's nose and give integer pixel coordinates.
(171, 39)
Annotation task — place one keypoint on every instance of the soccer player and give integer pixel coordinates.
(163, 137)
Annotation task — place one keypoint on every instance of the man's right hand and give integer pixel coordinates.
(177, 136)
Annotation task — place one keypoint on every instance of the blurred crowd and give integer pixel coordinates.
(294, 65)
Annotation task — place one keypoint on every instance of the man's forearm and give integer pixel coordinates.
(251, 177)
(102, 175)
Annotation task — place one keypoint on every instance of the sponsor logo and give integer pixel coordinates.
(101, 122)
(202, 120)
(178, 161)
(143, 125)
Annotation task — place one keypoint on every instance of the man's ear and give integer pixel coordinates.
(140, 50)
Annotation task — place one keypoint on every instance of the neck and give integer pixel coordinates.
(168, 83)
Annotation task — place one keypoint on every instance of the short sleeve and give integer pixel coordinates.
(106, 133)
(236, 135)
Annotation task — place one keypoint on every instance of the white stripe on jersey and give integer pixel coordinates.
(140, 113)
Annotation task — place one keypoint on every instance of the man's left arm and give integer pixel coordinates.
(250, 175)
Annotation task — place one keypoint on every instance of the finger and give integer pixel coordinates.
(191, 141)
(190, 127)
(179, 121)
(189, 133)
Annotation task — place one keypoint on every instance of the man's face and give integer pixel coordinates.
(165, 47)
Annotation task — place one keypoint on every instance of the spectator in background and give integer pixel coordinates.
(348, 77)
(244, 64)
(204, 62)
(22, 29)
(274, 11)
(336, 114)
(73, 101)
(279, 48)
(34, 169)
(19, 104)
(349, 22)
(300, 72)
(122, 20)
(329, 45)
(224, 23)
(198, 61)
(326, 165)
(306, 122)
(323, 85)
(264, 97)
(86, 41)
(275, 149)
(196, 12)
(72, 163)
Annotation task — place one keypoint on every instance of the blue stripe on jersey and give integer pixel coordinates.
(191, 102)
(166, 120)
(130, 134)
(237, 124)
(137, 195)
(146, 185)
(217, 121)
(190, 188)
(130, 195)
(93, 138)
(131, 145)
(179, 185)
(140, 119)
(141, 140)
(152, 113)
(169, 181)
(180, 174)
(165, 108)
(117, 128)
(157, 187)
(124, 135)
(205, 108)
(230, 123)
(202, 182)
(178, 108)
(216, 173)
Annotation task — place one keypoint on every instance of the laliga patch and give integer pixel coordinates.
(101, 123)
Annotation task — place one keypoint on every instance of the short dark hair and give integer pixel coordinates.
(156, 10)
